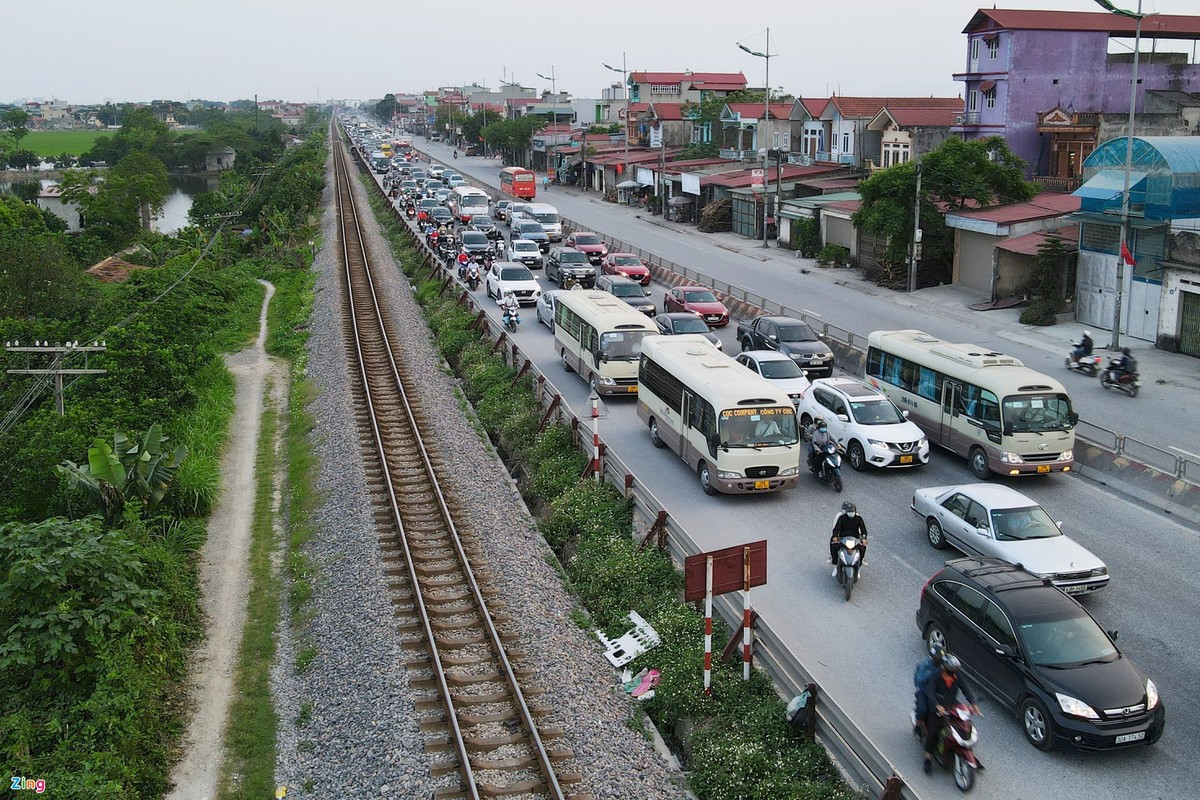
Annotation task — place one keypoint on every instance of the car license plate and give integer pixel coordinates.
(816, 362)
(631, 388)
(906, 459)
(1043, 468)
(762, 484)
(1131, 737)
(1074, 589)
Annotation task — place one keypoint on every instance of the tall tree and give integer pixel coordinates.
(955, 176)
(16, 120)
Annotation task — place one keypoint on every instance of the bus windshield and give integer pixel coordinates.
(1034, 413)
(474, 201)
(758, 427)
(622, 345)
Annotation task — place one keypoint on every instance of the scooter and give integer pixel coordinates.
(829, 464)
(512, 319)
(1115, 378)
(955, 749)
(410, 212)
(473, 276)
(849, 559)
(1089, 364)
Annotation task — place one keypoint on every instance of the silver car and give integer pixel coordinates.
(545, 307)
(982, 519)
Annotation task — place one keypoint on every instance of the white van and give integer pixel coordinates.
(548, 216)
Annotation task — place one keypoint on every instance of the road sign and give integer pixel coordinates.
(756, 178)
(727, 570)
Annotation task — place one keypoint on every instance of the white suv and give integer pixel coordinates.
(873, 429)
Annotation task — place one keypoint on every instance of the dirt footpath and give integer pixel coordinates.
(224, 577)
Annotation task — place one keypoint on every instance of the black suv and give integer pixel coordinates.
(569, 262)
(1041, 655)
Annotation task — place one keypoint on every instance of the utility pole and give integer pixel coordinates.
(916, 239)
(59, 351)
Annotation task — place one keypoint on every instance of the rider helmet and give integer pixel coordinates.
(1087, 334)
(950, 663)
(1125, 350)
(849, 507)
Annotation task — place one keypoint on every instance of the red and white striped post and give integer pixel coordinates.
(595, 398)
(708, 594)
(745, 613)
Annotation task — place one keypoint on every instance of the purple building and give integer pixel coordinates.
(1045, 79)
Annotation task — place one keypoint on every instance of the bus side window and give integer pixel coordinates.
(970, 401)
(989, 409)
(892, 370)
(908, 375)
(927, 384)
(949, 398)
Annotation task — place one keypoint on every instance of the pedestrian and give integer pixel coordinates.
(546, 181)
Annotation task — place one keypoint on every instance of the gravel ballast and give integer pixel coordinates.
(360, 736)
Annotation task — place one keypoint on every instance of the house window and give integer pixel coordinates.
(993, 48)
(775, 140)
(706, 132)
(846, 142)
(974, 50)
(664, 88)
(785, 141)
(972, 101)
(895, 153)
(989, 98)
(695, 134)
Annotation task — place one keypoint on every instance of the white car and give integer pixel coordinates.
(525, 251)
(985, 519)
(778, 368)
(436, 171)
(545, 307)
(505, 276)
(874, 430)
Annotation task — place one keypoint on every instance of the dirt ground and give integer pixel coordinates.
(224, 576)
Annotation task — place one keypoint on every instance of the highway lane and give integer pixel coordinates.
(857, 305)
(863, 652)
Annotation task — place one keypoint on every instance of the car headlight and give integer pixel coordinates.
(922, 442)
(607, 381)
(1066, 455)
(784, 473)
(728, 475)
(875, 443)
(1099, 572)
(1151, 694)
(1076, 708)
(1011, 458)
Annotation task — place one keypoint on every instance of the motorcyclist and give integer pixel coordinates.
(1125, 364)
(923, 677)
(1082, 348)
(463, 260)
(509, 304)
(848, 523)
(456, 154)
(944, 690)
(820, 438)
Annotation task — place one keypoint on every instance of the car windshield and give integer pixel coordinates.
(758, 427)
(483, 223)
(524, 247)
(1034, 413)
(474, 237)
(622, 345)
(796, 333)
(628, 290)
(408, 184)
(588, 239)
(1066, 641)
(783, 368)
(1019, 524)
(568, 257)
(875, 412)
(627, 261)
(531, 228)
(691, 325)
(699, 296)
(515, 274)
(428, 202)
(433, 186)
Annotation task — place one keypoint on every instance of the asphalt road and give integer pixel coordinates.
(863, 652)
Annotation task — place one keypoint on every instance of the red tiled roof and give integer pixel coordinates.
(1028, 245)
(693, 163)
(845, 206)
(680, 77)
(755, 110)
(851, 107)
(926, 117)
(1163, 26)
(739, 179)
(832, 183)
(814, 107)
(668, 111)
(1045, 205)
(637, 108)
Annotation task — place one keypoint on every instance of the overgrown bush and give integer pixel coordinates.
(833, 255)
(806, 237)
(1040, 312)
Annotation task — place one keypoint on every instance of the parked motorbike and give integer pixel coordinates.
(829, 464)
(1115, 378)
(473, 276)
(955, 749)
(849, 560)
(512, 319)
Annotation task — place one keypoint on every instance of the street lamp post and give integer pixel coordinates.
(554, 96)
(625, 89)
(1137, 38)
(766, 56)
(503, 99)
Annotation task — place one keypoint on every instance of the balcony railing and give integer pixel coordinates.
(738, 155)
(1055, 184)
(970, 118)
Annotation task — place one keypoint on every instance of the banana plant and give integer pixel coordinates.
(125, 469)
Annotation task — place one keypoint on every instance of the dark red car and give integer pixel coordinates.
(588, 243)
(628, 265)
(699, 301)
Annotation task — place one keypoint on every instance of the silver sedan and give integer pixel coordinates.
(983, 519)
(545, 307)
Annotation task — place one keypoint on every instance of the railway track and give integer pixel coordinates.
(475, 716)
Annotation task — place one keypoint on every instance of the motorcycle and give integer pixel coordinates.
(829, 465)
(410, 212)
(1089, 364)
(462, 268)
(849, 558)
(473, 276)
(1113, 377)
(512, 318)
(955, 749)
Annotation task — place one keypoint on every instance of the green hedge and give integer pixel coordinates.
(735, 744)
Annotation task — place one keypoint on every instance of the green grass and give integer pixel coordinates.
(203, 433)
(53, 143)
(251, 735)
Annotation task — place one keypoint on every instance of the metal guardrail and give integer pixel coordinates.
(862, 761)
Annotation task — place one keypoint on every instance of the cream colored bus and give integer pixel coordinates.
(734, 428)
(600, 337)
(1004, 417)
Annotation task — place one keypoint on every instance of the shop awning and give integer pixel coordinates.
(679, 200)
(1108, 183)
(628, 185)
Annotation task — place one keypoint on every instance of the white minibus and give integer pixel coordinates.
(600, 337)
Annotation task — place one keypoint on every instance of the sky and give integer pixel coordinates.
(84, 51)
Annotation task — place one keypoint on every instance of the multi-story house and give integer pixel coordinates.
(1045, 80)
(746, 133)
(852, 137)
(684, 88)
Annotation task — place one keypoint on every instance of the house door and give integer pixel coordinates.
(1189, 328)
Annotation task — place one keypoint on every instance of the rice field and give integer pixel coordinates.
(52, 143)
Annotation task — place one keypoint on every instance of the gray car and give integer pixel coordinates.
(565, 266)
(633, 293)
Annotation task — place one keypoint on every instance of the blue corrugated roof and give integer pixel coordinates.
(1177, 154)
(1108, 183)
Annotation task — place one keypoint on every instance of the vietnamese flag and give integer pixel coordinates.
(1127, 256)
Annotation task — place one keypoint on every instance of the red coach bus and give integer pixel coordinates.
(518, 182)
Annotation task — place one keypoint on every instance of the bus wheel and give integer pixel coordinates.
(706, 479)
(979, 464)
(566, 364)
(654, 440)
